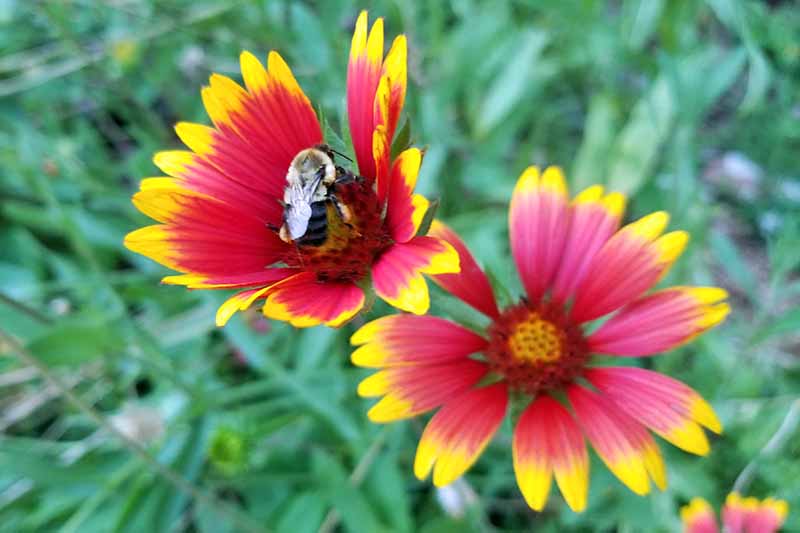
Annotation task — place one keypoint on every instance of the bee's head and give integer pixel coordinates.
(325, 149)
(330, 152)
(312, 162)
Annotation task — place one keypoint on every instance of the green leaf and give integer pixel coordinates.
(310, 36)
(252, 347)
(402, 139)
(76, 341)
(758, 79)
(386, 485)
(353, 508)
(638, 145)
(427, 220)
(733, 263)
(788, 322)
(305, 513)
(598, 136)
(639, 20)
(512, 84)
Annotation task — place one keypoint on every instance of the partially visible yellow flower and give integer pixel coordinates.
(739, 515)
(124, 51)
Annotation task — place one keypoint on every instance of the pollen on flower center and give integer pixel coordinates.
(536, 348)
(351, 246)
(535, 340)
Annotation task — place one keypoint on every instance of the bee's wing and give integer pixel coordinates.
(298, 211)
(298, 198)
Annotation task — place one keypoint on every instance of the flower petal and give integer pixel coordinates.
(201, 235)
(547, 439)
(303, 301)
(661, 321)
(631, 262)
(382, 147)
(259, 130)
(388, 104)
(593, 219)
(537, 222)
(395, 73)
(623, 384)
(768, 517)
(193, 172)
(404, 209)
(624, 446)
(698, 517)
(470, 284)
(736, 511)
(410, 390)
(363, 75)
(397, 274)
(666, 406)
(265, 277)
(398, 340)
(748, 515)
(459, 432)
(239, 302)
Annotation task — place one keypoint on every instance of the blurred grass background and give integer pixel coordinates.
(690, 106)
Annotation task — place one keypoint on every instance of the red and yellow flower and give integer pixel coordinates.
(576, 265)
(220, 203)
(739, 515)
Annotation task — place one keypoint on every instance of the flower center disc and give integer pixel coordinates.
(351, 246)
(536, 348)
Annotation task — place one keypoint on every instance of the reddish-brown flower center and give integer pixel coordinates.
(355, 236)
(536, 348)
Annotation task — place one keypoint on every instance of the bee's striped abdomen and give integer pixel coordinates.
(317, 230)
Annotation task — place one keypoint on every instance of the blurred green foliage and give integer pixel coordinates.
(687, 106)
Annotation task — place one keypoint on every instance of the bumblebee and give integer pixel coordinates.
(310, 187)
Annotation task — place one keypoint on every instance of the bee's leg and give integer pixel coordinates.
(322, 177)
(283, 233)
(345, 176)
(342, 210)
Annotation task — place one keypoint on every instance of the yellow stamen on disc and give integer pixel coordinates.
(536, 340)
